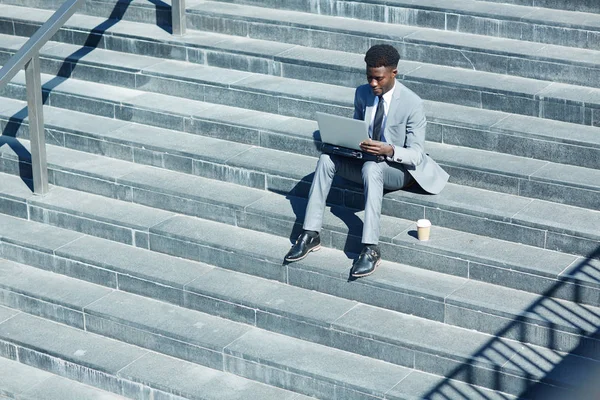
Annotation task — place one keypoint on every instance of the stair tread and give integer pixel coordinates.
(172, 321)
(502, 207)
(571, 19)
(264, 203)
(309, 358)
(91, 250)
(50, 287)
(586, 6)
(182, 273)
(125, 361)
(409, 34)
(436, 111)
(233, 153)
(465, 116)
(517, 12)
(408, 69)
(171, 232)
(411, 70)
(198, 329)
(213, 149)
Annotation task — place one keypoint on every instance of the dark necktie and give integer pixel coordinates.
(378, 120)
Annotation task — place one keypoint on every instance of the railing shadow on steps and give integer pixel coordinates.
(531, 363)
(28, 57)
(9, 138)
(527, 364)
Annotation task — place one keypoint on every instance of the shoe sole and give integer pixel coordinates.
(316, 248)
(369, 273)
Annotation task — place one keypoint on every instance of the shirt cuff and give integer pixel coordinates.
(392, 157)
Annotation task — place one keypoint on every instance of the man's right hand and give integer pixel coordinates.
(377, 148)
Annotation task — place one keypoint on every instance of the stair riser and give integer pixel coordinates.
(76, 372)
(531, 234)
(397, 353)
(117, 42)
(13, 207)
(483, 138)
(440, 260)
(496, 140)
(544, 106)
(427, 52)
(193, 164)
(406, 14)
(41, 308)
(583, 5)
(223, 360)
(414, 14)
(241, 362)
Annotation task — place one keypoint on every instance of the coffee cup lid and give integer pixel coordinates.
(423, 223)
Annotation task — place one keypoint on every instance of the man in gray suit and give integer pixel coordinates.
(397, 130)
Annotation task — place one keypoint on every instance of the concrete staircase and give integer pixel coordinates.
(180, 168)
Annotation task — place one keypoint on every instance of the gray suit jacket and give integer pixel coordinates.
(405, 129)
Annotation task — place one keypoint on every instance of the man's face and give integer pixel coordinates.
(381, 79)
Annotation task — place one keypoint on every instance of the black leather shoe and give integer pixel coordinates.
(304, 244)
(368, 260)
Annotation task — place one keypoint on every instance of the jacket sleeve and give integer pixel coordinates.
(413, 151)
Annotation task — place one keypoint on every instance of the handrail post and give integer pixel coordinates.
(37, 137)
(178, 17)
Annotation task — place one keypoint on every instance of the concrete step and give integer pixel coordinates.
(200, 155)
(22, 382)
(505, 56)
(449, 252)
(530, 221)
(518, 20)
(185, 237)
(495, 131)
(404, 340)
(589, 6)
(535, 24)
(323, 372)
(487, 90)
(541, 320)
(118, 367)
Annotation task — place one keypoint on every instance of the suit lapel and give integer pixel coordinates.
(395, 103)
(369, 108)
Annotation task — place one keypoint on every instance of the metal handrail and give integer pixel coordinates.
(32, 47)
(178, 17)
(28, 57)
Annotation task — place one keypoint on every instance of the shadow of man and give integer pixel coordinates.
(345, 201)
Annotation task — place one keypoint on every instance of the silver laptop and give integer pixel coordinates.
(342, 131)
(342, 136)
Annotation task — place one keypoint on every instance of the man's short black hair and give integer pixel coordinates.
(382, 55)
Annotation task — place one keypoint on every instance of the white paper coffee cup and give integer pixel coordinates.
(423, 229)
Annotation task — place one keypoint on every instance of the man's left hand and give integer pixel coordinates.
(377, 148)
